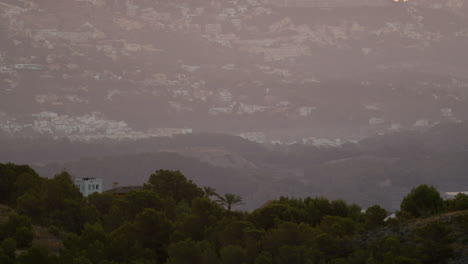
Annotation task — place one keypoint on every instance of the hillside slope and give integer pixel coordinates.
(42, 237)
(271, 70)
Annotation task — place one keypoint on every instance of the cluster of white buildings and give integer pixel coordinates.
(332, 3)
(86, 127)
(95, 123)
(258, 137)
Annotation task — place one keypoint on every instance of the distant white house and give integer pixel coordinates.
(88, 186)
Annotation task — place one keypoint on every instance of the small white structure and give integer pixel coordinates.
(392, 216)
(88, 186)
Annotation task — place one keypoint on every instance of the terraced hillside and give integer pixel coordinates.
(268, 70)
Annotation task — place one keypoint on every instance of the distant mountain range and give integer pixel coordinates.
(379, 169)
(269, 70)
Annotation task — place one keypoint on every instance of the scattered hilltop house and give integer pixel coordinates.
(88, 186)
(123, 190)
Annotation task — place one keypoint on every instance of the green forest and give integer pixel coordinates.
(174, 221)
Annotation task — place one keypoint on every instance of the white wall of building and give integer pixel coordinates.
(88, 186)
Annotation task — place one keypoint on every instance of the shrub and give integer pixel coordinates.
(422, 201)
(24, 237)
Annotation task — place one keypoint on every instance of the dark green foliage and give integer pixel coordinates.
(462, 221)
(375, 216)
(264, 258)
(188, 251)
(288, 233)
(19, 228)
(208, 253)
(338, 226)
(82, 260)
(16, 179)
(229, 200)
(8, 248)
(402, 260)
(152, 230)
(184, 252)
(173, 184)
(173, 221)
(266, 216)
(136, 201)
(60, 203)
(340, 208)
(30, 204)
(23, 236)
(234, 232)
(391, 249)
(54, 230)
(233, 255)
(434, 242)
(102, 201)
(35, 255)
(459, 202)
(124, 247)
(193, 223)
(90, 245)
(5, 259)
(292, 254)
(422, 201)
(209, 191)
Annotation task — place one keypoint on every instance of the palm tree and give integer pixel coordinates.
(229, 200)
(209, 191)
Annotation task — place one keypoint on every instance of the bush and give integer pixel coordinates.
(54, 230)
(8, 247)
(183, 252)
(233, 255)
(458, 203)
(18, 227)
(462, 221)
(264, 258)
(435, 242)
(24, 237)
(422, 201)
(36, 255)
(4, 259)
(82, 260)
(375, 216)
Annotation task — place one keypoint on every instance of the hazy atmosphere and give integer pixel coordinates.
(349, 100)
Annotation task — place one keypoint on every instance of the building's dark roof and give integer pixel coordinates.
(87, 179)
(124, 189)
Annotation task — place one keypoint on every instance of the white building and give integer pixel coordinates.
(88, 186)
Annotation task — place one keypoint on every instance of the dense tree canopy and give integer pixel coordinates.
(173, 184)
(173, 221)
